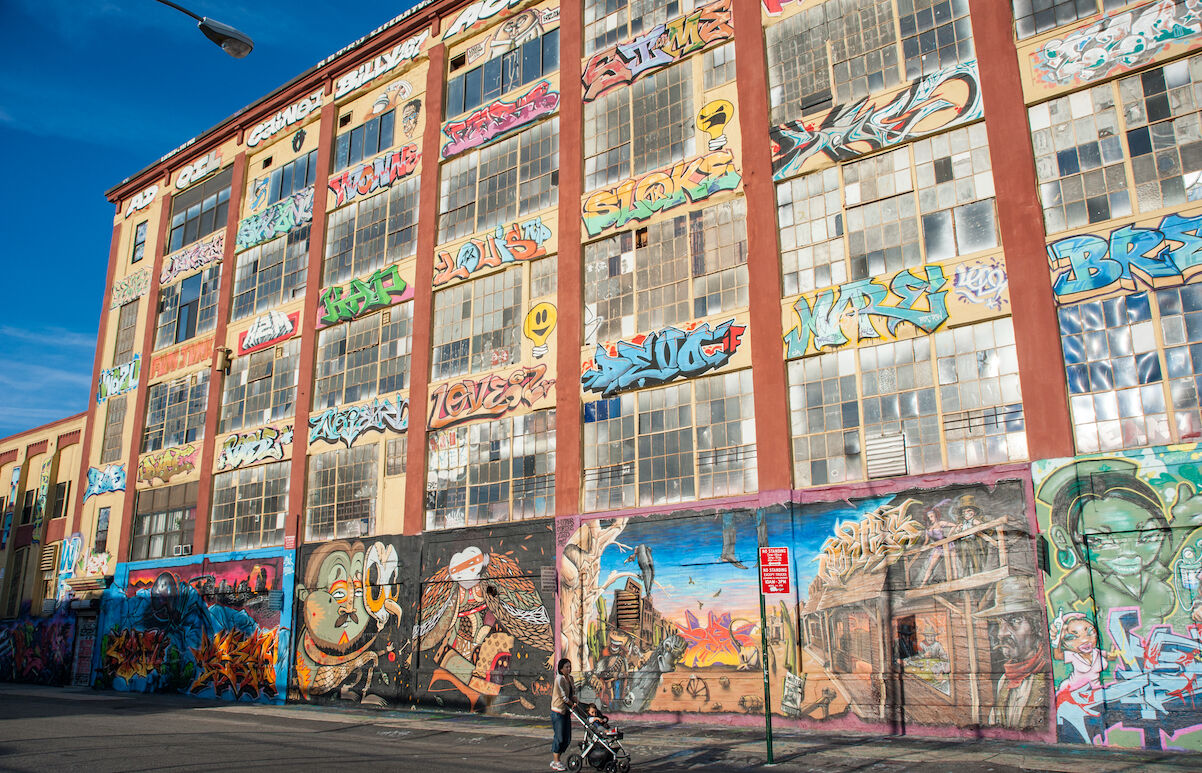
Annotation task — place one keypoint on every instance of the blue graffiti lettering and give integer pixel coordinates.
(662, 356)
(105, 480)
(348, 424)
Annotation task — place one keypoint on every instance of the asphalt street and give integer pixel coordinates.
(49, 729)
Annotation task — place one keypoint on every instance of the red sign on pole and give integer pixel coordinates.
(774, 570)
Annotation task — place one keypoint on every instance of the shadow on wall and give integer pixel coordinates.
(455, 620)
(37, 650)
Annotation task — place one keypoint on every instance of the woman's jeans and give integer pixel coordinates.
(562, 725)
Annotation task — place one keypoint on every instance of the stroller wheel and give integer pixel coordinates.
(574, 762)
(623, 766)
(611, 767)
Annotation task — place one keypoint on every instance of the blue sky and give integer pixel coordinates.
(94, 91)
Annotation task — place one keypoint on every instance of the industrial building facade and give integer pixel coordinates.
(514, 330)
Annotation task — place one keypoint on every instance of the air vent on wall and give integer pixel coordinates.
(182, 550)
(885, 455)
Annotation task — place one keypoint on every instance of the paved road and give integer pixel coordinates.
(46, 729)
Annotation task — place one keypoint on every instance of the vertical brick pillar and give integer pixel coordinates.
(1020, 221)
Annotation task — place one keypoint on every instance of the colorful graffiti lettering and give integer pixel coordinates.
(982, 283)
(663, 356)
(198, 169)
(277, 219)
(498, 119)
(476, 13)
(39, 503)
(259, 445)
(197, 256)
(1117, 43)
(294, 113)
(119, 380)
(639, 198)
(503, 246)
(130, 288)
(105, 480)
(824, 319)
(10, 506)
(36, 649)
(660, 47)
(268, 330)
(379, 173)
(405, 51)
(183, 357)
(167, 463)
(141, 200)
(237, 663)
(1087, 266)
(68, 557)
(775, 7)
(866, 544)
(350, 423)
(935, 102)
(383, 288)
(488, 398)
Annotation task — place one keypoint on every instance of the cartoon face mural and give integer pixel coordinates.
(1123, 595)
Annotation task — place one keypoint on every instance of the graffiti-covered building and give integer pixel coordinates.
(514, 329)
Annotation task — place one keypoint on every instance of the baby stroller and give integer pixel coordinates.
(601, 747)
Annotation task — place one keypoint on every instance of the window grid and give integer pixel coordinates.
(189, 308)
(342, 494)
(395, 452)
(139, 242)
(200, 210)
(364, 358)
(127, 322)
(609, 22)
(477, 325)
(726, 450)
(364, 141)
(290, 178)
(508, 70)
(175, 412)
(165, 518)
(934, 34)
(1032, 17)
(1164, 135)
(114, 424)
(271, 274)
(720, 65)
(249, 507)
(261, 387)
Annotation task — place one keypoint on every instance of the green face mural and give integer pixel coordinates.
(1122, 595)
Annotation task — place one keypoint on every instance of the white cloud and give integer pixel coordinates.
(51, 336)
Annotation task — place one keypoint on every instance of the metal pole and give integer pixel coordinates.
(764, 660)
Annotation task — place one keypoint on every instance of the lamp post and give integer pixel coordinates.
(234, 42)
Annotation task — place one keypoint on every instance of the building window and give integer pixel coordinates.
(668, 273)
(372, 233)
(492, 471)
(139, 241)
(271, 274)
(48, 576)
(127, 322)
(364, 358)
(477, 187)
(114, 423)
(16, 582)
(720, 65)
(671, 444)
(608, 22)
(189, 308)
(27, 507)
(958, 388)
(165, 520)
(290, 178)
(1162, 116)
(60, 497)
(249, 507)
(1032, 17)
(101, 541)
(364, 141)
(649, 125)
(477, 325)
(935, 34)
(261, 387)
(175, 412)
(510, 69)
(342, 493)
(395, 450)
(200, 210)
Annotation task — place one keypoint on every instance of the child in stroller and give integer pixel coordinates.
(602, 745)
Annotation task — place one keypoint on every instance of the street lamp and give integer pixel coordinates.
(235, 42)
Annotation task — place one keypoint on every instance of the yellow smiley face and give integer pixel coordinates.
(540, 321)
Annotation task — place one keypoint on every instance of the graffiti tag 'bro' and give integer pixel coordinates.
(639, 198)
(488, 398)
(383, 288)
(518, 244)
(921, 301)
(1089, 266)
(663, 45)
(374, 175)
(348, 424)
(279, 218)
(661, 357)
(167, 463)
(255, 446)
(498, 119)
(939, 101)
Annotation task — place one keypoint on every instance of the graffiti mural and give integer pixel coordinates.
(43, 495)
(498, 119)
(268, 330)
(490, 397)
(141, 200)
(350, 423)
(165, 464)
(198, 169)
(911, 611)
(278, 219)
(1118, 43)
(639, 198)
(982, 283)
(130, 288)
(663, 356)
(1130, 259)
(1123, 600)
(382, 289)
(539, 324)
(405, 51)
(11, 506)
(69, 555)
(183, 357)
(661, 46)
(375, 175)
(259, 445)
(476, 13)
(289, 116)
(105, 480)
(199, 255)
(936, 102)
(36, 649)
(119, 380)
(513, 244)
(210, 627)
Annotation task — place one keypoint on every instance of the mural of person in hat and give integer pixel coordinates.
(1021, 697)
(972, 550)
(930, 648)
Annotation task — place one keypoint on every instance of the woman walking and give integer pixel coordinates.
(563, 697)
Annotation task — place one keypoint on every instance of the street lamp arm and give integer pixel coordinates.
(182, 9)
(233, 41)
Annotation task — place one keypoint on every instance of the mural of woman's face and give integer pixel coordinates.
(1132, 541)
(1080, 636)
